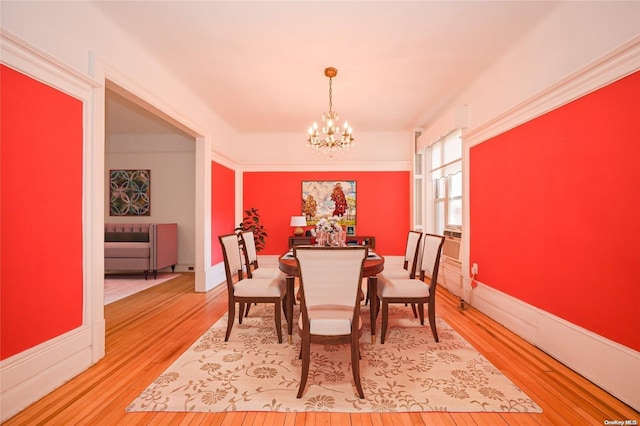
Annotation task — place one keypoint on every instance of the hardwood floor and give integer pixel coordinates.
(147, 331)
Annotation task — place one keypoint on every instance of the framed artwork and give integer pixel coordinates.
(351, 230)
(129, 192)
(328, 198)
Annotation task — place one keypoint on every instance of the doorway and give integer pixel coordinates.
(136, 138)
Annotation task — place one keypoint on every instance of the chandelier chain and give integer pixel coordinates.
(330, 95)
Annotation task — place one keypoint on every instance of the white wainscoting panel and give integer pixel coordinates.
(52, 363)
(610, 365)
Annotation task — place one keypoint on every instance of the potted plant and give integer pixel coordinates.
(251, 222)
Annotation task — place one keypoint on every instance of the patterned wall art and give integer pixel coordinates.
(328, 198)
(130, 193)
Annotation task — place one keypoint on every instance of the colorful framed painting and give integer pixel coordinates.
(328, 198)
(130, 192)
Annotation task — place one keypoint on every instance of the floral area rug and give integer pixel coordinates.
(410, 372)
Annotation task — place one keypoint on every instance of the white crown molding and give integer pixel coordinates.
(616, 65)
(327, 166)
(28, 59)
(223, 160)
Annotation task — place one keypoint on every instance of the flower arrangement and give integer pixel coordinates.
(329, 232)
(329, 225)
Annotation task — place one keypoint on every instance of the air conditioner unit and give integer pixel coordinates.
(452, 247)
(451, 265)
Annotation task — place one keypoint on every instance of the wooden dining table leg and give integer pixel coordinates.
(372, 283)
(289, 305)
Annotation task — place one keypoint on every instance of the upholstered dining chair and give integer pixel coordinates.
(250, 255)
(330, 280)
(251, 259)
(406, 269)
(414, 291)
(248, 290)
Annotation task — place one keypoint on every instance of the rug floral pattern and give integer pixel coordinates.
(410, 372)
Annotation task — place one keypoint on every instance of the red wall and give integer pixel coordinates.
(382, 209)
(554, 211)
(222, 207)
(41, 213)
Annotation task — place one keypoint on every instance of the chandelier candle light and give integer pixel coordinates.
(332, 139)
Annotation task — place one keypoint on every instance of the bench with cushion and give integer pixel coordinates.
(140, 247)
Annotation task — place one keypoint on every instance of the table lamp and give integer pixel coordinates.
(298, 222)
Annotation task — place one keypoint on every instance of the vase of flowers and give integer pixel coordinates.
(329, 232)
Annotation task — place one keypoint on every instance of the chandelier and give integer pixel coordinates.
(330, 138)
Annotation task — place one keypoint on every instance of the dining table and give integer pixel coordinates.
(373, 265)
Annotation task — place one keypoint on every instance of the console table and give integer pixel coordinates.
(351, 240)
(300, 241)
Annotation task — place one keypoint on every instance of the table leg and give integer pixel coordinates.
(289, 305)
(372, 283)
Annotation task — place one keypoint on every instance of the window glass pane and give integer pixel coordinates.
(440, 188)
(439, 217)
(452, 147)
(436, 155)
(455, 185)
(452, 168)
(455, 212)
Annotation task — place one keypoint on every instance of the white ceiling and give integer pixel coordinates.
(260, 65)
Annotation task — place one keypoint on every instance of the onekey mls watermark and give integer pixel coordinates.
(621, 422)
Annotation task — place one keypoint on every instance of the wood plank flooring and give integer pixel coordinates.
(147, 331)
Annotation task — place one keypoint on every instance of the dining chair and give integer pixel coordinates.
(414, 291)
(330, 280)
(250, 256)
(407, 269)
(248, 290)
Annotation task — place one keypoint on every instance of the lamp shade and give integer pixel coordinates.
(298, 222)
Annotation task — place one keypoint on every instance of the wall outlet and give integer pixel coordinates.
(190, 268)
(474, 269)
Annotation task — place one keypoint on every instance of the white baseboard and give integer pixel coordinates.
(608, 364)
(215, 277)
(32, 374)
(181, 267)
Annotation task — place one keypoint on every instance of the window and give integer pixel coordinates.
(445, 170)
